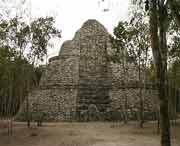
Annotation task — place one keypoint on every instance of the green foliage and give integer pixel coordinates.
(132, 40)
(29, 40)
(13, 88)
(42, 31)
(21, 46)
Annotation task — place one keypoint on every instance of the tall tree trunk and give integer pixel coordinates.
(27, 100)
(175, 94)
(144, 89)
(159, 48)
(27, 112)
(141, 109)
(125, 93)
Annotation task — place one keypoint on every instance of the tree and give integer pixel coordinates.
(120, 55)
(159, 12)
(131, 43)
(158, 22)
(140, 52)
(22, 46)
(12, 86)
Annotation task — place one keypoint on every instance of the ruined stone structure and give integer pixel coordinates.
(81, 84)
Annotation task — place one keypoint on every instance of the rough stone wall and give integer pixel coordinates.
(56, 104)
(126, 91)
(80, 83)
(130, 96)
(55, 100)
(94, 82)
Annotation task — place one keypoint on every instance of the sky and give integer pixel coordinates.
(71, 14)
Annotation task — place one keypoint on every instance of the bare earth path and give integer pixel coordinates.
(85, 134)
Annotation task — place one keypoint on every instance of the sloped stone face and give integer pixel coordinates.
(63, 69)
(81, 84)
(94, 82)
(56, 97)
(91, 28)
(77, 78)
(70, 48)
(61, 72)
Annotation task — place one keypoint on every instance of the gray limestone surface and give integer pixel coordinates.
(81, 84)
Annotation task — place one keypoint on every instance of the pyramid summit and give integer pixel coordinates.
(94, 25)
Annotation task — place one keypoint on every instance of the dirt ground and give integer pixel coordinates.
(85, 134)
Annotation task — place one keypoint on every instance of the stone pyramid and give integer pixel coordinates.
(80, 83)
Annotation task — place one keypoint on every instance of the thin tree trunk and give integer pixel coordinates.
(126, 104)
(175, 95)
(9, 115)
(158, 122)
(163, 84)
(159, 48)
(141, 110)
(144, 87)
(27, 112)
(125, 94)
(164, 115)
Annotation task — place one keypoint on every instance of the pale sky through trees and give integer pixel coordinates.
(71, 14)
